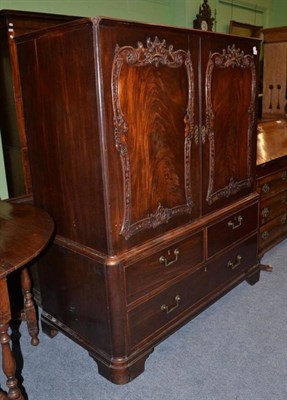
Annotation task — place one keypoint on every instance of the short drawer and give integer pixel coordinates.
(163, 266)
(272, 232)
(272, 207)
(154, 315)
(231, 229)
(272, 184)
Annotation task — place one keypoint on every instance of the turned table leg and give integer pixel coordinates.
(29, 307)
(8, 361)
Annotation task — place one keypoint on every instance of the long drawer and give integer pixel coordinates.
(154, 315)
(273, 232)
(273, 206)
(232, 229)
(271, 184)
(163, 266)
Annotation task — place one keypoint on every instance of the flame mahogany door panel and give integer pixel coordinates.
(150, 87)
(228, 119)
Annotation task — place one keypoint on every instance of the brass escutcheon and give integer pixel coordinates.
(265, 235)
(265, 212)
(266, 188)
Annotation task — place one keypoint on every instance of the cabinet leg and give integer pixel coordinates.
(123, 370)
(29, 307)
(48, 329)
(266, 267)
(253, 278)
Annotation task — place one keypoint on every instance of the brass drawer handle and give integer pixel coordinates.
(265, 235)
(265, 212)
(284, 176)
(283, 198)
(231, 265)
(266, 188)
(166, 262)
(169, 309)
(233, 225)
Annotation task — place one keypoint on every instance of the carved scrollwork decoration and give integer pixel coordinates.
(231, 57)
(156, 53)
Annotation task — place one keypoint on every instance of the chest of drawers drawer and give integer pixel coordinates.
(232, 228)
(272, 232)
(153, 315)
(272, 184)
(273, 206)
(163, 266)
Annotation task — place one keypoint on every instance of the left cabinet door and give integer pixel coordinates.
(229, 85)
(151, 103)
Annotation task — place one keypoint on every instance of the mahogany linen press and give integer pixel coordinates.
(142, 146)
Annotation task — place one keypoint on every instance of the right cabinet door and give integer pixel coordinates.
(228, 120)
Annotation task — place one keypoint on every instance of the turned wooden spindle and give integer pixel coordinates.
(8, 361)
(29, 307)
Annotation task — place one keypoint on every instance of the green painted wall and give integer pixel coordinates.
(279, 13)
(3, 186)
(169, 12)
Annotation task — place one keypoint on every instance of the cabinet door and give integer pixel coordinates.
(153, 150)
(229, 85)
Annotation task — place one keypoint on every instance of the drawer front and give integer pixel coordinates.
(273, 232)
(153, 316)
(273, 207)
(231, 229)
(163, 266)
(272, 184)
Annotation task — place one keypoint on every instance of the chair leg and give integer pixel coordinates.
(8, 361)
(29, 307)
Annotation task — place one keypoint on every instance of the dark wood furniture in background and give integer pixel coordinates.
(275, 72)
(272, 182)
(142, 148)
(24, 232)
(247, 30)
(12, 24)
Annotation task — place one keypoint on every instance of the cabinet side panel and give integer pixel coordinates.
(76, 296)
(60, 109)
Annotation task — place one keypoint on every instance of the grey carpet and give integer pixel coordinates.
(235, 350)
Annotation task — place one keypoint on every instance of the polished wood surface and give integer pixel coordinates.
(12, 24)
(24, 232)
(142, 148)
(271, 140)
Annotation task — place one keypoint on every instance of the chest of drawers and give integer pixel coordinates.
(145, 158)
(272, 183)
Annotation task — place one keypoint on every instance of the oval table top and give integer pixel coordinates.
(24, 232)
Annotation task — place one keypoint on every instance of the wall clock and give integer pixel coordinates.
(204, 20)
